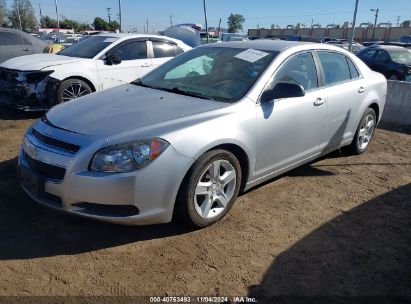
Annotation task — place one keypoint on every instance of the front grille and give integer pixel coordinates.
(55, 142)
(44, 169)
(107, 210)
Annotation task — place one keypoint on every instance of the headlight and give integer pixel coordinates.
(36, 76)
(128, 157)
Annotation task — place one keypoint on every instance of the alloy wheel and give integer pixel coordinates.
(75, 90)
(366, 131)
(215, 189)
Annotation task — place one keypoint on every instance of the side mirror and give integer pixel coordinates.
(112, 59)
(283, 90)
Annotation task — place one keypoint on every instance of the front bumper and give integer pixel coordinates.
(19, 94)
(62, 181)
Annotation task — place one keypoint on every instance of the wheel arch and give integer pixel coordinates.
(376, 108)
(86, 80)
(237, 151)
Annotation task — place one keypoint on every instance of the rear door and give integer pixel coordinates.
(163, 50)
(134, 64)
(344, 89)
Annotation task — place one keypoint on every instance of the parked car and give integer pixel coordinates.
(403, 44)
(394, 62)
(38, 82)
(355, 47)
(226, 37)
(14, 43)
(187, 144)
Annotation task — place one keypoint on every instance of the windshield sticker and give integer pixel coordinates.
(110, 40)
(251, 55)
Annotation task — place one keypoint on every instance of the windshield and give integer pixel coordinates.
(403, 57)
(88, 48)
(216, 73)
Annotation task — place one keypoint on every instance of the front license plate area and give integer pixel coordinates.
(32, 182)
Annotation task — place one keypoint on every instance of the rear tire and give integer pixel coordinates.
(364, 133)
(209, 190)
(71, 89)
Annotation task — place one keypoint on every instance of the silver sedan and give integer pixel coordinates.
(185, 139)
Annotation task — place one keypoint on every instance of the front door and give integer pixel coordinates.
(134, 64)
(290, 130)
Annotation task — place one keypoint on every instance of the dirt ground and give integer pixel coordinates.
(340, 226)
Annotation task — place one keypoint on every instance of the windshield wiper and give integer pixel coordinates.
(189, 93)
(172, 90)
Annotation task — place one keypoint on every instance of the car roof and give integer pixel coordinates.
(388, 47)
(265, 45)
(131, 36)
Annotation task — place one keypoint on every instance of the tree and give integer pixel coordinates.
(3, 13)
(235, 23)
(47, 22)
(114, 25)
(27, 15)
(100, 24)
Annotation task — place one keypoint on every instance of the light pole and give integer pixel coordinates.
(108, 9)
(353, 24)
(375, 21)
(58, 22)
(119, 13)
(18, 14)
(205, 17)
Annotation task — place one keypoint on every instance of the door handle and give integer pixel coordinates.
(361, 90)
(319, 101)
(146, 65)
(26, 50)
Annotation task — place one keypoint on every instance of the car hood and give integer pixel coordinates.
(37, 62)
(127, 107)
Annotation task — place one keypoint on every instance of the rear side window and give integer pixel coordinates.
(163, 49)
(335, 67)
(9, 39)
(132, 51)
(368, 55)
(299, 69)
(353, 70)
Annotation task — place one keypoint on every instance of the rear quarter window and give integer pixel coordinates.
(353, 69)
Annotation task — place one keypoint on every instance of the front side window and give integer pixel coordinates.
(299, 69)
(88, 47)
(131, 50)
(335, 67)
(164, 49)
(381, 56)
(216, 73)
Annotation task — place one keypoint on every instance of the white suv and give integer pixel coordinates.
(37, 82)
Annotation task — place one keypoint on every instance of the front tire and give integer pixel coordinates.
(364, 133)
(71, 89)
(210, 189)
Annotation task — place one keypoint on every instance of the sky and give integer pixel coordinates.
(262, 13)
